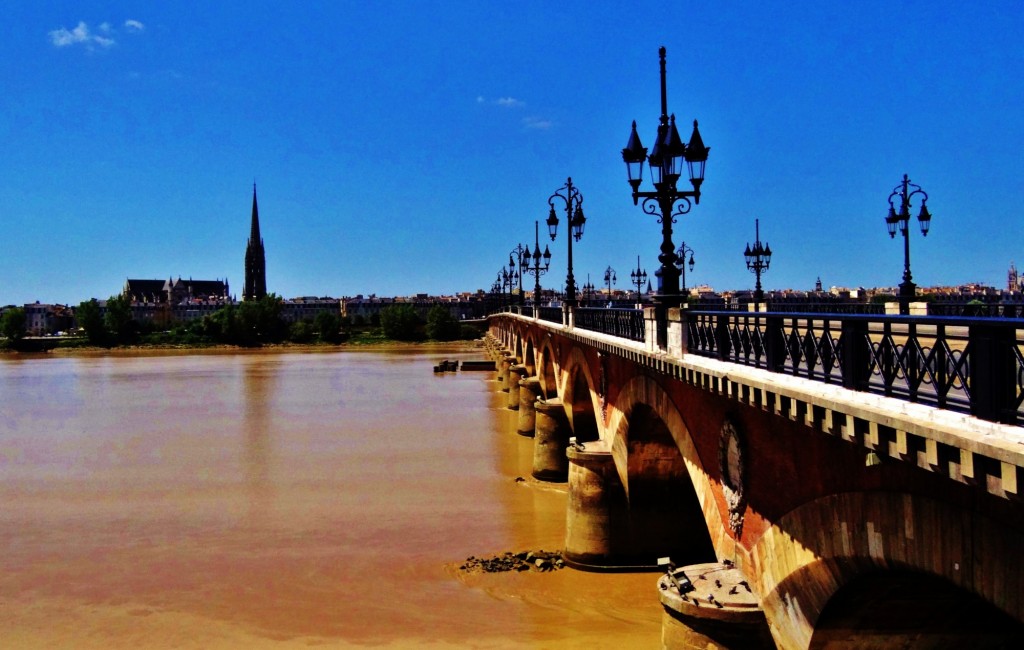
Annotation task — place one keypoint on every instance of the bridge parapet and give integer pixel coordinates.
(962, 447)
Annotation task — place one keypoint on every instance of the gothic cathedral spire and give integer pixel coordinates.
(255, 260)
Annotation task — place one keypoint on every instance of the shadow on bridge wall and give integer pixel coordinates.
(817, 549)
(814, 518)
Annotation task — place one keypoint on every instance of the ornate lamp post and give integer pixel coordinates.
(508, 277)
(759, 258)
(681, 262)
(536, 267)
(609, 280)
(516, 257)
(496, 292)
(588, 291)
(666, 163)
(637, 277)
(906, 190)
(573, 200)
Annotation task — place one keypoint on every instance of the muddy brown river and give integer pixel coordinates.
(282, 499)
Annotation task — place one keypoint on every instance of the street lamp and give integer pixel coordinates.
(609, 280)
(759, 258)
(588, 291)
(516, 257)
(681, 261)
(508, 277)
(666, 162)
(536, 268)
(907, 288)
(570, 195)
(638, 277)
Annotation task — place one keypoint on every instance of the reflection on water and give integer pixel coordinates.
(257, 385)
(280, 500)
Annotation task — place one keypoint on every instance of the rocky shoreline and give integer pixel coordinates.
(523, 561)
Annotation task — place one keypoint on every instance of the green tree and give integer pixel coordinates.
(222, 325)
(328, 326)
(301, 332)
(91, 320)
(120, 324)
(400, 322)
(259, 321)
(12, 325)
(441, 325)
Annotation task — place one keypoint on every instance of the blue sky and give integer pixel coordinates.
(405, 147)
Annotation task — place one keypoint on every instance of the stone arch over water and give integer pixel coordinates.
(547, 368)
(582, 404)
(814, 552)
(672, 508)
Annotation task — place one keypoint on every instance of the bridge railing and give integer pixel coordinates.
(550, 314)
(972, 365)
(623, 323)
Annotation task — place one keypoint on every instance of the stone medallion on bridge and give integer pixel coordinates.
(731, 462)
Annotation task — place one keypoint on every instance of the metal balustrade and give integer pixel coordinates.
(623, 323)
(971, 365)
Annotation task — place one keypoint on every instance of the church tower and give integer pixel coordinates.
(255, 260)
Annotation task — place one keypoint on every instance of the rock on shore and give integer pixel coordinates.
(509, 561)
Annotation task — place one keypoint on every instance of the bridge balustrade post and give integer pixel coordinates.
(676, 332)
(651, 329)
(856, 361)
(993, 367)
(774, 344)
(723, 342)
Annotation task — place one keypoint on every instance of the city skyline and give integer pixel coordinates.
(395, 160)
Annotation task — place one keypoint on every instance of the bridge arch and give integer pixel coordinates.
(547, 368)
(813, 552)
(529, 356)
(672, 508)
(582, 404)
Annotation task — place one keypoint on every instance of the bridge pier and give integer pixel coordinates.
(596, 526)
(515, 373)
(504, 363)
(550, 441)
(529, 391)
(721, 610)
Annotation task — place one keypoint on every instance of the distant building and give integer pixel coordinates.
(173, 292)
(41, 320)
(306, 308)
(255, 258)
(1013, 279)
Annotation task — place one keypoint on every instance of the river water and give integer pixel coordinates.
(282, 500)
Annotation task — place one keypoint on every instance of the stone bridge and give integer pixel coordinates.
(799, 513)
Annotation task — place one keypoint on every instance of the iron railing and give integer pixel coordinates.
(623, 323)
(551, 314)
(971, 365)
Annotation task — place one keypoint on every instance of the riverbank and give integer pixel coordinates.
(135, 350)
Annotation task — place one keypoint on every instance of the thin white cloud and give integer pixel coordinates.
(510, 102)
(537, 123)
(81, 34)
(507, 102)
(62, 37)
